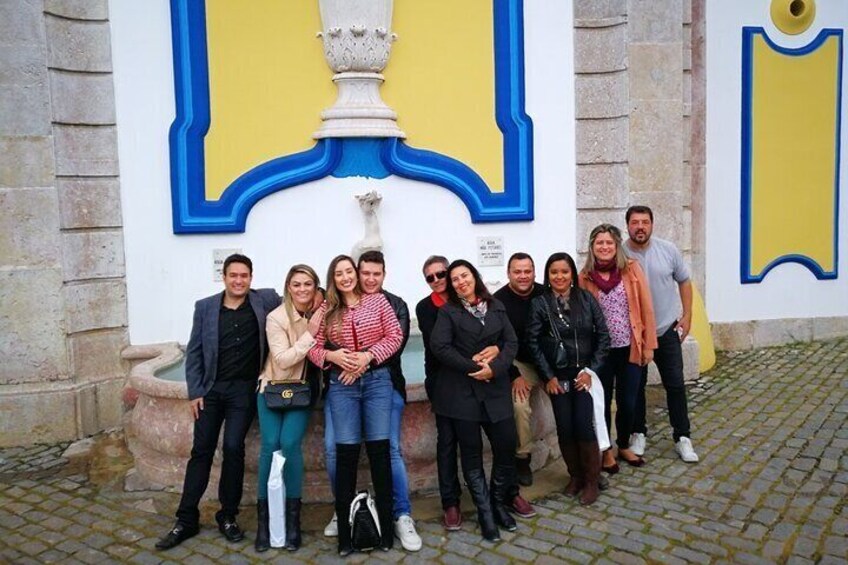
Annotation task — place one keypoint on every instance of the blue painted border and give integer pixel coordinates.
(746, 276)
(192, 213)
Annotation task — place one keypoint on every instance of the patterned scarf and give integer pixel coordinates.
(477, 310)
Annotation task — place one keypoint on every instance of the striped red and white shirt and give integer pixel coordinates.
(370, 325)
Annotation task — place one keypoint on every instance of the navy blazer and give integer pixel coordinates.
(456, 337)
(201, 365)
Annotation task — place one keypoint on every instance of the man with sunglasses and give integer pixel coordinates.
(435, 274)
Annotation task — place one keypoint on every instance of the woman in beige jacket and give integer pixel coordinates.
(290, 329)
(622, 290)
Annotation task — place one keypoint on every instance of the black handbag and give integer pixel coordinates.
(290, 395)
(365, 532)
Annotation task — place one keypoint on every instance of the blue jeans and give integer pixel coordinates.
(400, 482)
(281, 431)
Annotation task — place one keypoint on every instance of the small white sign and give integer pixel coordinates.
(490, 251)
(218, 258)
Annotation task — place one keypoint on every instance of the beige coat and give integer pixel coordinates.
(288, 344)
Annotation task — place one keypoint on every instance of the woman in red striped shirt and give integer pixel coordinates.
(358, 331)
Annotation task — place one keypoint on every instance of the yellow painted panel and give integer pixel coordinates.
(268, 83)
(441, 81)
(793, 160)
(700, 330)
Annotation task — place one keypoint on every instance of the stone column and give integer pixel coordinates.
(63, 298)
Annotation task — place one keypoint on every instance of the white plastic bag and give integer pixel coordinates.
(277, 501)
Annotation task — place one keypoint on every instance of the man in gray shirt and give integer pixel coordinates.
(668, 279)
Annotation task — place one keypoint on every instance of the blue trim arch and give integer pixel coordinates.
(376, 158)
(746, 277)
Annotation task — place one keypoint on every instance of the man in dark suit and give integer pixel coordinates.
(225, 353)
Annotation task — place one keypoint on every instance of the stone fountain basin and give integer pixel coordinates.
(160, 430)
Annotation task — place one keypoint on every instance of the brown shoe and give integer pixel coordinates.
(452, 520)
(521, 507)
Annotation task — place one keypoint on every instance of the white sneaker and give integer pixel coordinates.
(332, 528)
(637, 444)
(685, 450)
(405, 532)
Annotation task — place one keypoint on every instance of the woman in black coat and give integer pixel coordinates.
(567, 338)
(475, 344)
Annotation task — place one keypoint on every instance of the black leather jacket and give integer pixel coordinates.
(583, 330)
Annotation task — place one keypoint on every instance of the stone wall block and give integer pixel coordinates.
(733, 336)
(38, 417)
(687, 48)
(29, 227)
(687, 93)
(655, 21)
(686, 228)
(686, 186)
(781, 332)
(86, 150)
(89, 203)
(602, 141)
(86, 411)
(687, 11)
(95, 305)
(830, 328)
(598, 9)
(600, 50)
(602, 186)
(26, 161)
(76, 45)
(82, 98)
(30, 113)
(110, 406)
(98, 354)
(21, 22)
(654, 71)
(78, 9)
(601, 95)
(93, 254)
(656, 145)
(668, 213)
(32, 342)
(23, 64)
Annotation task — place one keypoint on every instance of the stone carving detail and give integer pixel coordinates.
(357, 43)
(371, 241)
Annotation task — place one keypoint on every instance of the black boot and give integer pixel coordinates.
(347, 458)
(523, 471)
(293, 524)
(503, 483)
(571, 456)
(476, 482)
(381, 477)
(263, 535)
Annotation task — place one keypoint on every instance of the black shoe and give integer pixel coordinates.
(178, 534)
(263, 534)
(523, 472)
(230, 529)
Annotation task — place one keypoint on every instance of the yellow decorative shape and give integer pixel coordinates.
(700, 330)
(793, 157)
(793, 16)
(268, 82)
(441, 81)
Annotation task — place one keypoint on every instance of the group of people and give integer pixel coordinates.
(582, 336)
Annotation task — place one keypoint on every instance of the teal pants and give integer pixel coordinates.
(281, 431)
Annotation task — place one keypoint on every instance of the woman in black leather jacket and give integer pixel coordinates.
(566, 335)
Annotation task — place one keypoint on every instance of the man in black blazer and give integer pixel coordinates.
(224, 356)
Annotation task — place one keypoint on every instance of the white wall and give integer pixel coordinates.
(789, 290)
(167, 273)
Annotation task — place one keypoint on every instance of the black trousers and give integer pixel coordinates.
(625, 378)
(233, 405)
(446, 446)
(669, 359)
(502, 437)
(573, 412)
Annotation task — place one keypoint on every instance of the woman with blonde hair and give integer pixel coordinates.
(290, 329)
(359, 331)
(621, 288)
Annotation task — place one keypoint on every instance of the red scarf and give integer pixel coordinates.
(437, 300)
(606, 285)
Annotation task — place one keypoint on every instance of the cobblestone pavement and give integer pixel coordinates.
(769, 425)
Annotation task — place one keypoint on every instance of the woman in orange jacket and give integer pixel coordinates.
(621, 288)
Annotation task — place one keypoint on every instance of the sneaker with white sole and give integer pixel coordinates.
(332, 528)
(637, 444)
(405, 532)
(685, 450)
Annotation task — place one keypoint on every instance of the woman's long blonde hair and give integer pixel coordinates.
(335, 304)
(303, 270)
(615, 233)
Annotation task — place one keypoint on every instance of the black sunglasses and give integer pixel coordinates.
(432, 278)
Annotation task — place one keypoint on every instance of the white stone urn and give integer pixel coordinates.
(357, 41)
